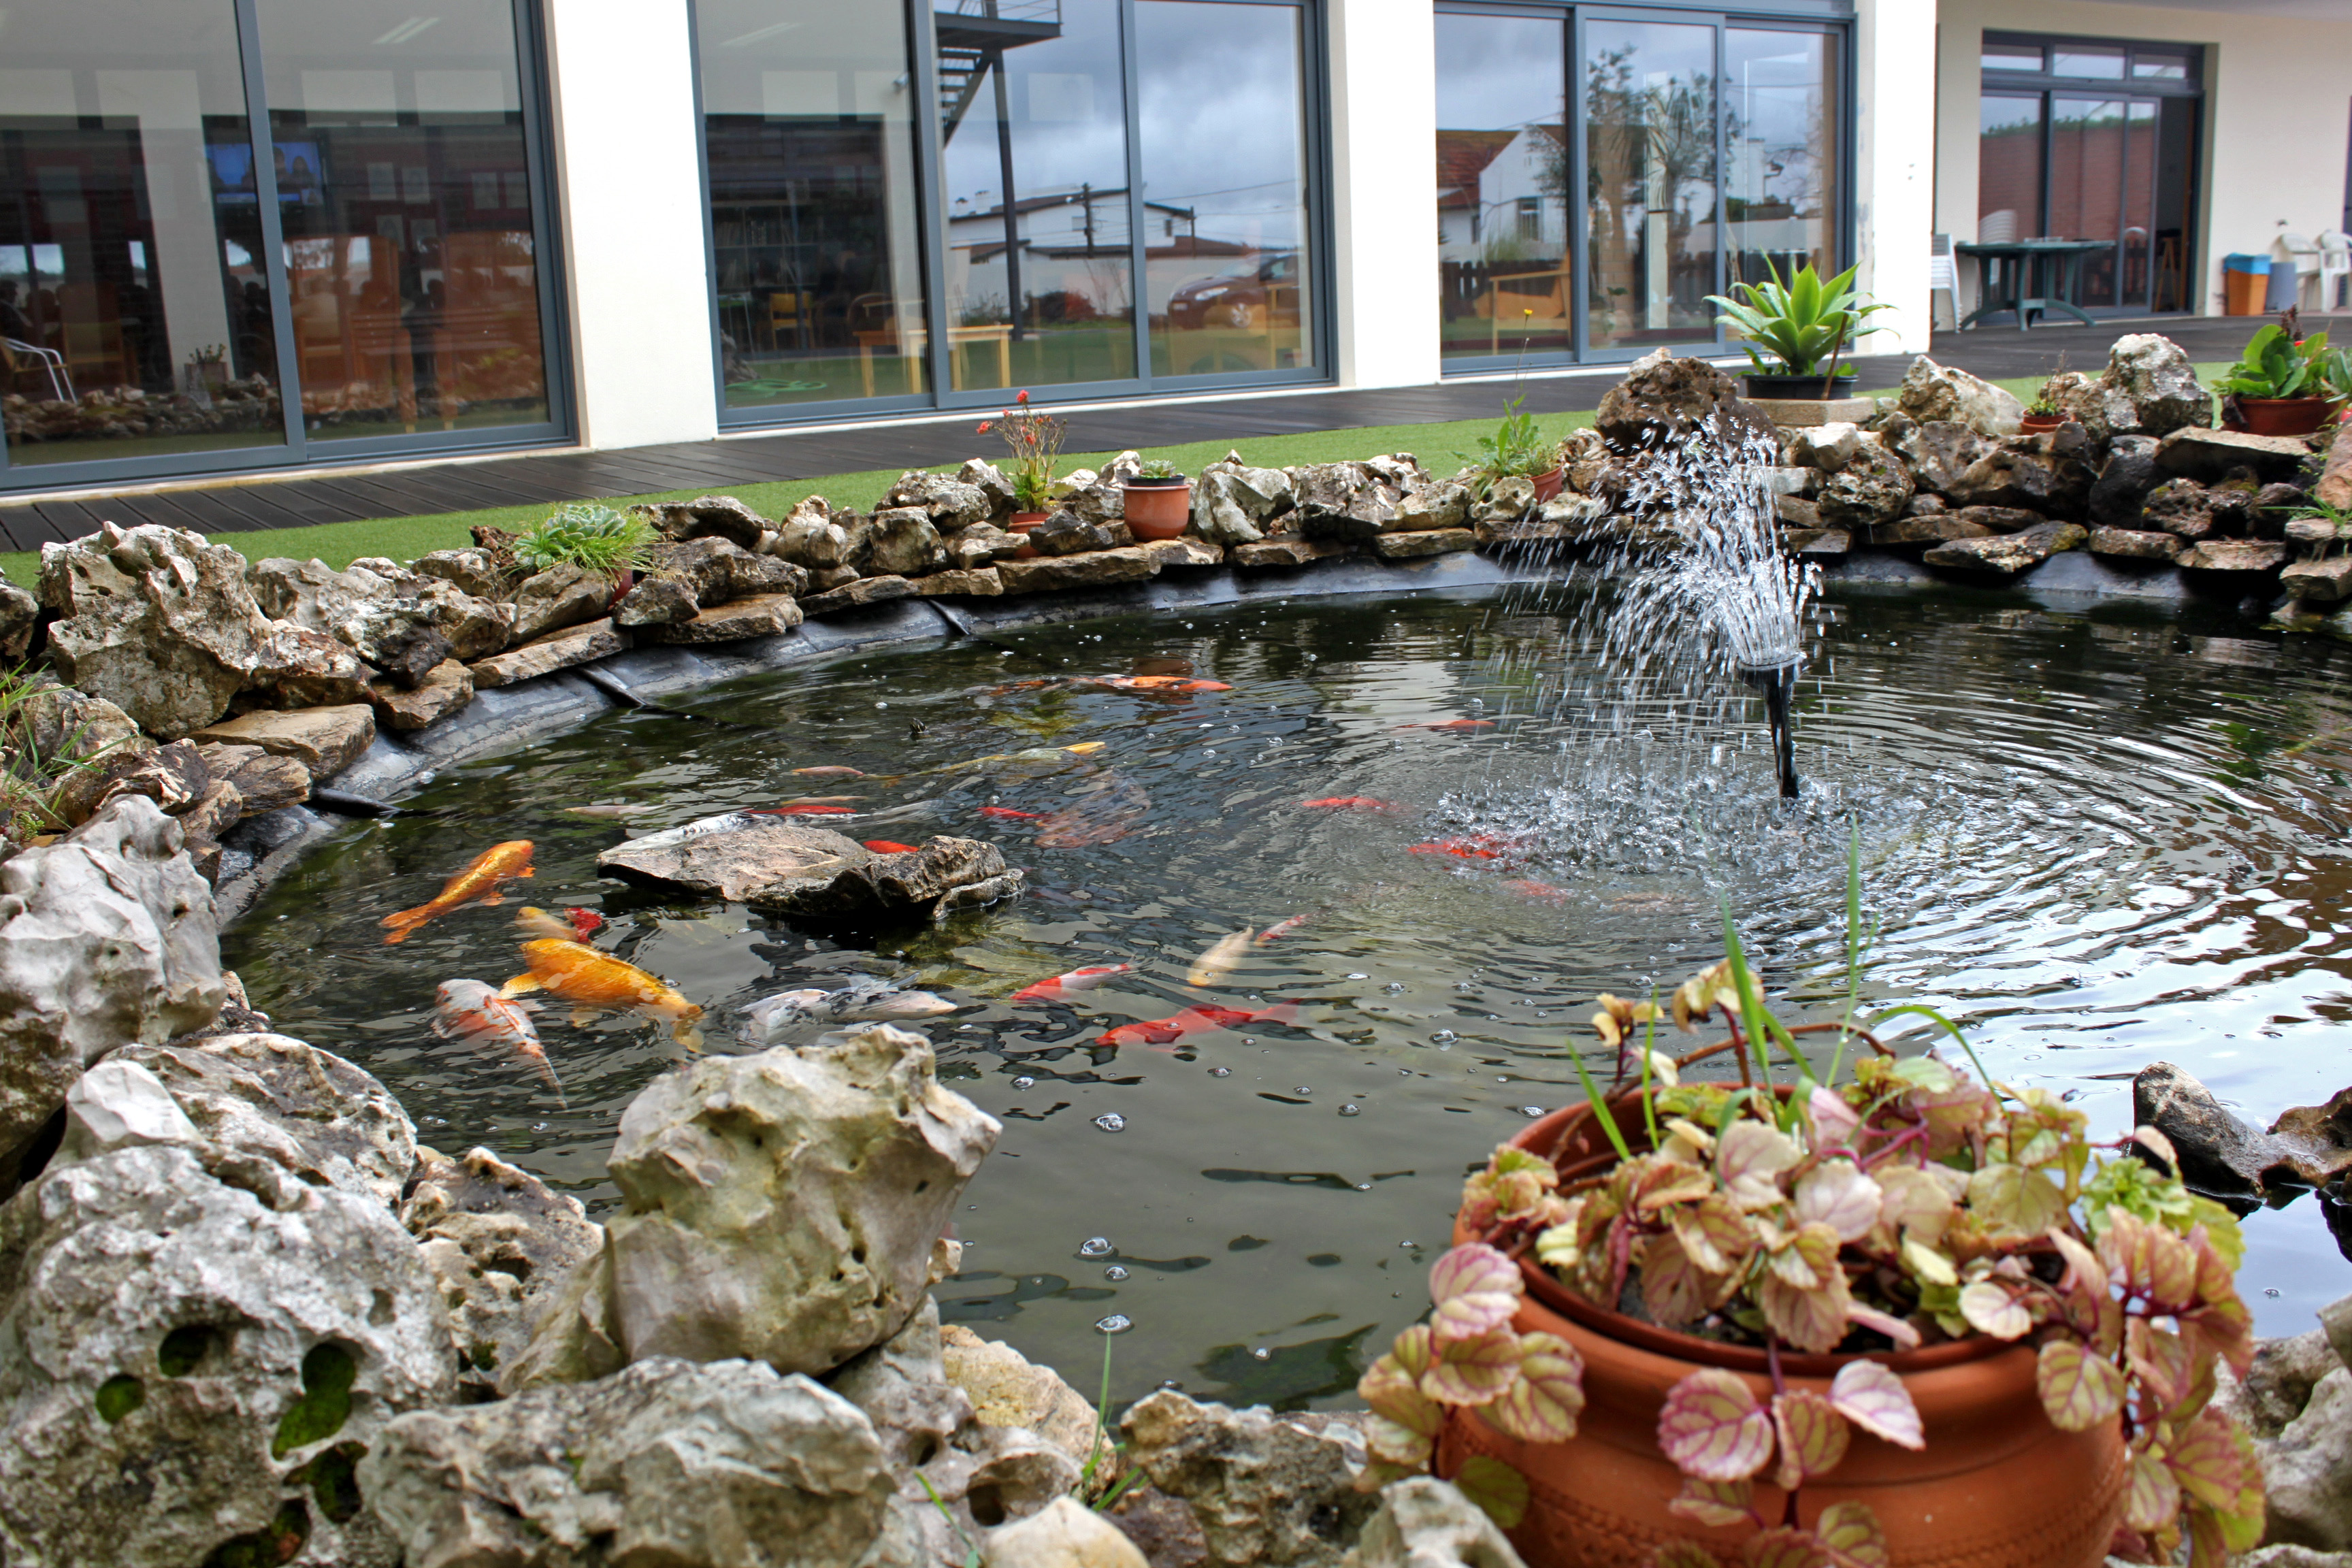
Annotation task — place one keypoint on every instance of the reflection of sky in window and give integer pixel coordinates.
(1220, 115)
(1497, 73)
(50, 260)
(1064, 134)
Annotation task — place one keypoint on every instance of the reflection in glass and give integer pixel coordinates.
(2009, 169)
(2105, 64)
(2139, 204)
(1503, 183)
(1781, 187)
(1650, 127)
(1033, 122)
(134, 314)
(403, 187)
(2087, 166)
(808, 122)
(2012, 56)
(1224, 176)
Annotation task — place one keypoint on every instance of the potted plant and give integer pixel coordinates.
(2284, 383)
(1517, 450)
(1806, 324)
(592, 536)
(1159, 501)
(2041, 414)
(1034, 442)
(1915, 1319)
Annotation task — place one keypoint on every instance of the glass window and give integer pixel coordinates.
(2101, 62)
(2012, 56)
(2087, 166)
(134, 305)
(1223, 129)
(1502, 148)
(2161, 65)
(2008, 168)
(1032, 126)
(412, 256)
(1782, 186)
(1650, 130)
(808, 122)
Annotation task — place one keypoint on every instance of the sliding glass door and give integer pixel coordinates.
(1701, 149)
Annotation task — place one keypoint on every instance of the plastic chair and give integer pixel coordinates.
(1998, 227)
(2335, 264)
(2299, 258)
(1942, 278)
(49, 360)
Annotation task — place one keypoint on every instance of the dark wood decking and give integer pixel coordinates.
(529, 479)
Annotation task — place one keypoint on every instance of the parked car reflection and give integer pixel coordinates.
(1267, 297)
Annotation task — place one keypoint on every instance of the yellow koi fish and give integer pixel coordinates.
(590, 980)
(479, 883)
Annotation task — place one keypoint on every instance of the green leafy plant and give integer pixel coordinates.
(2043, 408)
(1158, 469)
(1517, 447)
(2279, 362)
(1915, 1204)
(1034, 442)
(585, 534)
(1805, 322)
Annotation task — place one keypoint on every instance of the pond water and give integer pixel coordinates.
(2096, 838)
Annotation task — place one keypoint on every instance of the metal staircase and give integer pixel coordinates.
(973, 36)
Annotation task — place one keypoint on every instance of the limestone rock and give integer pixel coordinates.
(2335, 486)
(2219, 1154)
(1095, 569)
(714, 570)
(983, 582)
(2307, 1471)
(2278, 1385)
(1817, 541)
(60, 722)
(2180, 507)
(810, 538)
(854, 593)
(810, 872)
(1066, 532)
(983, 544)
(1233, 502)
(903, 542)
(558, 597)
(197, 1354)
(1184, 550)
(403, 623)
(1288, 551)
(728, 1464)
(1424, 1522)
(781, 1205)
(498, 1239)
(557, 651)
(1827, 448)
(1264, 1489)
(2233, 556)
(712, 516)
(107, 938)
(1664, 399)
(19, 614)
(2156, 379)
(266, 782)
(2280, 1557)
(297, 667)
(2008, 552)
(1007, 1389)
(1999, 519)
(1161, 1527)
(156, 621)
(991, 483)
(1064, 1534)
(2201, 454)
(2315, 1142)
(1938, 452)
(949, 504)
(174, 777)
(2136, 543)
(1507, 500)
(118, 1104)
(1429, 541)
(472, 571)
(655, 602)
(1434, 506)
(445, 691)
(759, 615)
(1929, 528)
(1870, 486)
(1353, 500)
(325, 740)
(2123, 481)
(2051, 473)
(262, 1097)
(1933, 392)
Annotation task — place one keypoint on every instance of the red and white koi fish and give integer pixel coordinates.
(1193, 1021)
(1353, 803)
(470, 1010)
(1283, 927)
(1064, 986)
(1006, 813)
(577, 924)
(1471, 846)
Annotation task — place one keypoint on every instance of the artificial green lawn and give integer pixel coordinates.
(1441, 447)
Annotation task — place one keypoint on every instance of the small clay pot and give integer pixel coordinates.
(1159, 508)
(1026, 523)
(1547, 485)
(2034, 424)
(2281, 416)
(1995, 1483)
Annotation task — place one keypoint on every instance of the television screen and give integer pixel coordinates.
(301, 174)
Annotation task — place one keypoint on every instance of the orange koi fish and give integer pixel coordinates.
(1352, 803)
(590, 980)
(479, 883)
(884, 847)
(1193, 1021)
(1006, 813)
(577, 924)
(1536, 889)
(1283, 927)
(1475, 847)
(470, 1010)
(1165, 685)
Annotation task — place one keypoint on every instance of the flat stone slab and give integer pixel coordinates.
(975, 582)
(2008, 553)
(1296, 551)
(325, 740)
(545, 656)
(1089, 569)
(1929, 528)
(754, 615)
(855, 596)
(2325, 582)
(1428, 542)
(775, 865)
(449, 687)
(1185, 549)
(1796, 412)
(2199, 453)
(2136, 543)
(1816, 540)
(2233, 556)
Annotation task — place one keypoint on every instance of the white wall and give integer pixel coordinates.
(636, 266)
(1383, 119)
(2278, 92)
(1895, 165)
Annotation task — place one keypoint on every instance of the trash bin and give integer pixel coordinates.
(2246, 281)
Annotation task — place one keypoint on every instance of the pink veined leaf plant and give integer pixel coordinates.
(1912, 1205)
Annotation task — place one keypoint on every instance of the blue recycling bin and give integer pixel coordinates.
(2245, 284)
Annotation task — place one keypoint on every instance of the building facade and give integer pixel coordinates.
(241, 236)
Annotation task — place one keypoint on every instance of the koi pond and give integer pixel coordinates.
(2096, 838)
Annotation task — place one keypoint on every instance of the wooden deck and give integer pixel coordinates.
(530, 478)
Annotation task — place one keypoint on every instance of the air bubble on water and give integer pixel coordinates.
(1111, 1121)
(1025, 1083)
(1404, 1072)
(1116, 1323)
(1114, 1272)
(1394, 986)
(1170, 1383)
(1095, 1246)
(881, 705)
(1444, 1037)
(1364, 1187)
(1359, 975)
(1531, 1111)
(1221, 1072)
(1409, 1244)
(1352, 1111)
(1464, 987)
(1261, 1354)
(2272, 1291)
(1302, 1089)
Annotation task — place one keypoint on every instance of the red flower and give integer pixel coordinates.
(1023, 397)
(983, 428)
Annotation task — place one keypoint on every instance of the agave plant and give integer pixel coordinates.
(585, 534)
(1803, 323)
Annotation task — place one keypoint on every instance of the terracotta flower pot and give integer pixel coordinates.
(2281, 416)
(1159, 508)
(1995, 1483)
(1026, 523)
(2033, 424)
(1547, 485)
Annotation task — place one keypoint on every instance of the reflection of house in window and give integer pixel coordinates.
(1530, 210)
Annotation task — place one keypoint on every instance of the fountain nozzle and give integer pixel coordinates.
(1776, 678)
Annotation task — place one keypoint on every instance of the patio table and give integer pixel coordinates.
(2015, 275)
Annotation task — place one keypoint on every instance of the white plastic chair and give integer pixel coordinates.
(1942, 278)
(2301, 257)
(1998, 227)
(60, 380)
(2335, 264)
